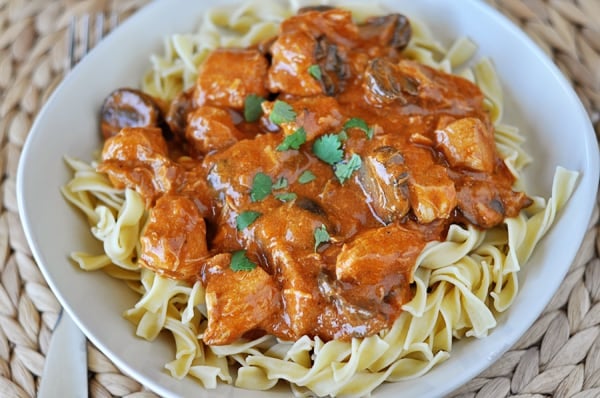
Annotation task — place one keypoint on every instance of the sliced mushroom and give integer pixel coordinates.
(126, 107)
(393, 30)
(179, 109)
(321, 8)
(333, 66)
(383, 177)
(385, 83)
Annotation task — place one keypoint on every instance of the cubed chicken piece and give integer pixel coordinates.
(285, 237)
(173, 242)
(310, 56)
(384, 180)
(467, 143)
(437, 89)
(377, 266)
(317, 115)
(432, 193)
(485, 203)
(237, 302)
(209, 129)
(293, 56)
(228, 76)
(137, 158)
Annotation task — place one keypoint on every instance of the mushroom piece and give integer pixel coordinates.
(384, 83)
(393, 30)
(384, 177)
(333, 66)
(127, 107)
(180, 107)
(321, 8)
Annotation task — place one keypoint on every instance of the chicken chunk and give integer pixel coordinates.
(378, 280)
(293, 55)
(137, 158)
(209, 129)
(285, 237)
(467, 143)
(432, 193)
(228, 76)
(310, 55)
(173, 242)
(237, 302)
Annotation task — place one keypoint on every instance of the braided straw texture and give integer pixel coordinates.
(560, 354)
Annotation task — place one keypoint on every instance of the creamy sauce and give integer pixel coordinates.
(426, 154)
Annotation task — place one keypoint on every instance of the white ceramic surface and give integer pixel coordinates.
(539, 100)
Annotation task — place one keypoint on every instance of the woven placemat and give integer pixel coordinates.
(559, 356)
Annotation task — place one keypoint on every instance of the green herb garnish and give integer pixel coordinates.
(239, 262)
(328, 148)
(286, 197)
(281, 183)
(344, 170)
(282, 113)
(359, 123)
(315, 71)
(246, 218)
(321, 236)
(306, 177)
(294, 140)
(252, 108)
(262, 185)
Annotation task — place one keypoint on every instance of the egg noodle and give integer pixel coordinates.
(461, 284)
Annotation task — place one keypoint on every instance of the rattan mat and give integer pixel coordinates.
(559, 356)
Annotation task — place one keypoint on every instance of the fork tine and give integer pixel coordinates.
(81, 38)
(71, 43)
(99, 27)
(85, 38)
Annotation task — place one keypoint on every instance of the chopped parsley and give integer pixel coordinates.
(286, 197)
(294, 140)
(344, 170)
(321, 236)
(359, 123)
(281, 183)
(246, 218)
(239, 262)
(252, 108)
(306, 177)
(328, 148)
(282, 113)
(315, 71)
(262, 185)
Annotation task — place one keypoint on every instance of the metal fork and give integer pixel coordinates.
(90, 35)
(65, 369)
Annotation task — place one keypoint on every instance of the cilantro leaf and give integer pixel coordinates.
(246, 218)
(262, 186)
(253, 108)
(344, 170)
(321, 235)
(306, 177)
(286, 197)
(282, 113)
(328, 148)
(359, 123)
(293, 140)
(239, 262)
(281, 183)
(315, 71)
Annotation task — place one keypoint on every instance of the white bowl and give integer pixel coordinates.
(538, 99)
